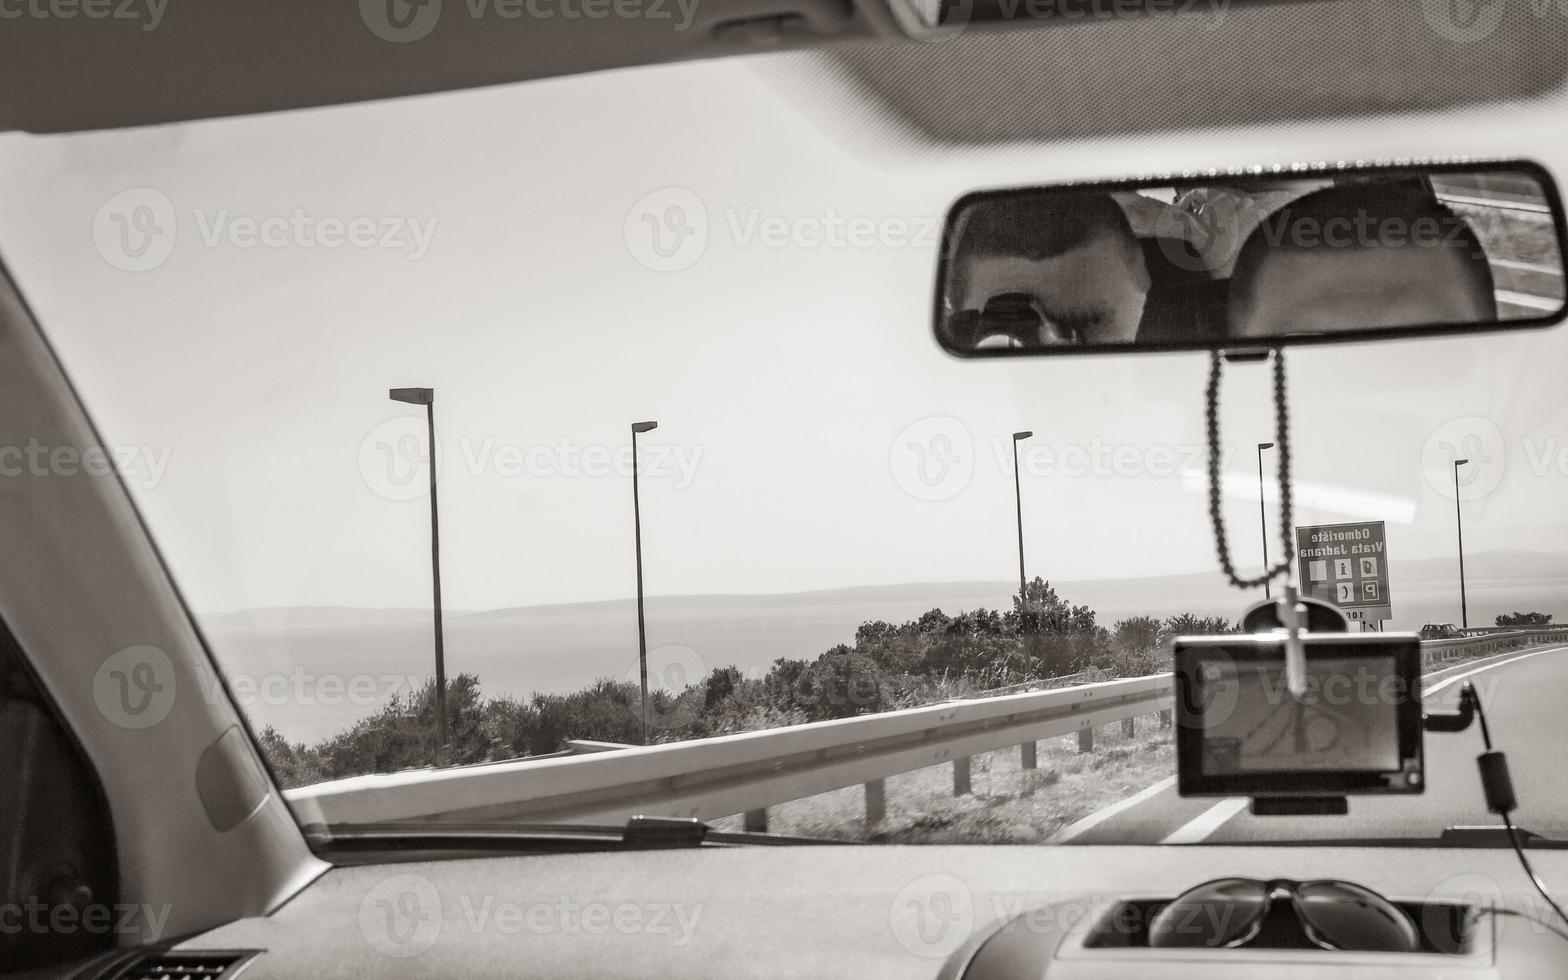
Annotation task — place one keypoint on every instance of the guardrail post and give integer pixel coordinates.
(771, 767)
(1129, 728)
(1030, 758)
(876, 802)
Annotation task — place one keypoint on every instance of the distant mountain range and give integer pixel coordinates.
(1202, 592)
(562, 647)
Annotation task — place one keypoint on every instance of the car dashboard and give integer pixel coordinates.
(981, 912)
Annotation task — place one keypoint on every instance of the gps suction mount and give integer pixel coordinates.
(1294, 615)
(1321, 616)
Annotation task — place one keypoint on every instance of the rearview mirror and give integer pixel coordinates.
(1251, 260)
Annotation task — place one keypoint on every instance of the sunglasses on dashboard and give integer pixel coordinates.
(1333, 914)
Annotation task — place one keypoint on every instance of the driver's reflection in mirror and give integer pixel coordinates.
(1046, 269)
(1357, 256)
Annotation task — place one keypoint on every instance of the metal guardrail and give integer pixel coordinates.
(1483, 644)
(743, 773)
(1469, 631)
(1090, 676)
(750, 771)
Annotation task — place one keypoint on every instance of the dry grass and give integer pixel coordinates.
(1008, 804)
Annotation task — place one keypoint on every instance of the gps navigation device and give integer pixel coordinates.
(1357, 728)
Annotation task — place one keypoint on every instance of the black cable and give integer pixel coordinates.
(1515, 913)
(1513, 834)
(1540, 886)
(1468, 693)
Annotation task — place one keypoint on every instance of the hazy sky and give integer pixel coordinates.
(783, 344)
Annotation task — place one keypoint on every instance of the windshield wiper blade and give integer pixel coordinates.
(1471, 835)
(1492, 835)
(637, 834)
(649, 832)
(657, 832)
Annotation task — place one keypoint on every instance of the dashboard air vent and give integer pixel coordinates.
(197, 965)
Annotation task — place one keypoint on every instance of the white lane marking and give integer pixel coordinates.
(1105, 813)
(1527, 267)
(1497, 661)
(1529, 207)
(1207, 822)
(1528, 300)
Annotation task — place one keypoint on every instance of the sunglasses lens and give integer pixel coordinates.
(1347, 916)
(1214, 914)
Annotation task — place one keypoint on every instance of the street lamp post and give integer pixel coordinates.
(1263, 523)
(642, 630)
(1018, 499)
(1459, 526)
(427, 398)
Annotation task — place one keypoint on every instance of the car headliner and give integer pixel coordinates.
(1216, 63)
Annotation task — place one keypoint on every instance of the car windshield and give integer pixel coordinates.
(827, 519)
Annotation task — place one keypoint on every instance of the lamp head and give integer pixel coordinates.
(413, 396)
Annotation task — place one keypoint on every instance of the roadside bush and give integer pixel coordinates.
(1525, 619)
(932, 658)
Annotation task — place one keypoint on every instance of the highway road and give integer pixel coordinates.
(1525, 695)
